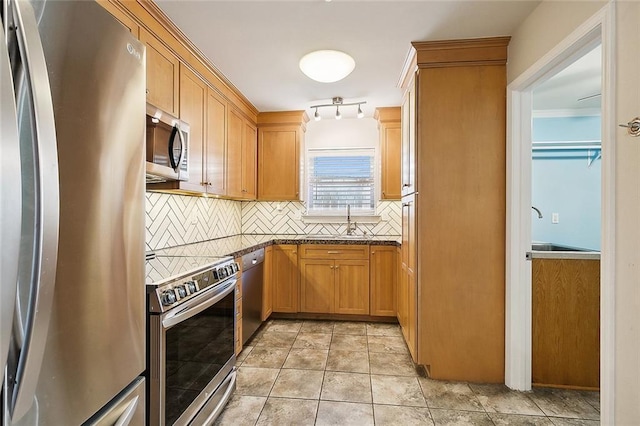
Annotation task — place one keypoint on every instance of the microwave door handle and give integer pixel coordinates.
(11, 207)
(47, 210)
(176, 132)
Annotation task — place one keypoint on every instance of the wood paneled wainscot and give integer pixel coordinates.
(566, 323)
(390, 150)
(280, 154)
(334, 279)
(454, 115)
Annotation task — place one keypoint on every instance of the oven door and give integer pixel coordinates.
(191, 355)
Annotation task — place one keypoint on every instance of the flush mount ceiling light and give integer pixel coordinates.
(337, 102)
(327, 66)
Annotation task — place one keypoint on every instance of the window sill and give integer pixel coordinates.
(340, 219)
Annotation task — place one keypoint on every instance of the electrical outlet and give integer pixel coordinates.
(555, 217)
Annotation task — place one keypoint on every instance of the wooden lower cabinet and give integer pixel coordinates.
(267, 284)
(317, 285)
(383, 278)
(285, 279)
(334, 279)
(566, 323)
(238, 336)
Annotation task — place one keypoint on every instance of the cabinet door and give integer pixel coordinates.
(235, 127)
(162, 74)
(317, 285)
(278, 163)
(409, 139)
(412, 314)
(351, 287)
(391, 148)
(383, 280)
(285, 279)
(267, 284)
(193, 94)
(249, 160)
(216, 142)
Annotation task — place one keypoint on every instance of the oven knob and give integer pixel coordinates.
(182, 291)
(222, 272)
(191, 286)
(236, 267)
(168, 297)
(229, 270)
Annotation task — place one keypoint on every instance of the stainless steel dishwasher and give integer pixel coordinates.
(252, 275)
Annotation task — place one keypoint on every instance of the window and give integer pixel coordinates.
(337, 178)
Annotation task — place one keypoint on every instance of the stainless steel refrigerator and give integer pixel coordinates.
(72, 117)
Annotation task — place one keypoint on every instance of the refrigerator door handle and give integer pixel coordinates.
(128, 413)
(47, 210)
(10, 203)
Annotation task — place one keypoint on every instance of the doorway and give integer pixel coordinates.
(518, 321)
(565, 225)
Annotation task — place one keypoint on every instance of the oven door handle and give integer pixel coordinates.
(197, 305)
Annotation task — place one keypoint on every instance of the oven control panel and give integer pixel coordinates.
(171, 294)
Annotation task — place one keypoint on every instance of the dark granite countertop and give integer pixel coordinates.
(180, 260)
(239, 245)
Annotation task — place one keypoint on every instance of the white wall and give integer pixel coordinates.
(545, 27)
(351, 133)
(548, 24)
(627, 246)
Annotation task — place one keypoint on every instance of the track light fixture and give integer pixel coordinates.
(338, 102)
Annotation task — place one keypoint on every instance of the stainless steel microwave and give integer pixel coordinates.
(167, 147)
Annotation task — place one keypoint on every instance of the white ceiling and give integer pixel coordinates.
(257, 44)
(566, 91)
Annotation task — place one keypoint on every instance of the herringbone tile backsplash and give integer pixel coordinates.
(261, 217)
(173, 220)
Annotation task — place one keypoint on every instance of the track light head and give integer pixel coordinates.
(316, 116)
(338, 115)
(360, 113)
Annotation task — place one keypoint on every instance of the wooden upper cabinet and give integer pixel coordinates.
(249, 161)
(408, 183)
(390, 149)
(235, 127)
(193, 94)
(383, 280)
(162, 74)
(215, 146)
(121, 16)
(280, 150)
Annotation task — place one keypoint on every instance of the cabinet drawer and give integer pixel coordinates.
(334, 251)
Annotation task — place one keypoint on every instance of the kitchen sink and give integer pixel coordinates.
(338, 237)
(554, 247)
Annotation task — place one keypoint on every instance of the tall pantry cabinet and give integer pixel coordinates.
(452, 281)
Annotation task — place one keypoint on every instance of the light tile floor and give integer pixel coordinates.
(354, 373)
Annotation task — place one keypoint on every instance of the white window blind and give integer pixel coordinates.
(338, 178)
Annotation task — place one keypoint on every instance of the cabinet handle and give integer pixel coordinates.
(373, 252)
(405, 185)
(294, 252)
(147, 91)
(330, 267)
(407, 204)
(333, 252)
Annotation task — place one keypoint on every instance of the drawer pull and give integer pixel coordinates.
(333, 252)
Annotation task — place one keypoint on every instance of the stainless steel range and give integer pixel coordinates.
(191, 359)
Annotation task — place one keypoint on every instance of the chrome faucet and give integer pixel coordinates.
(539, 212)
(350, 229)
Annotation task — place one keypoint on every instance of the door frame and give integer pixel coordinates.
(518, 334)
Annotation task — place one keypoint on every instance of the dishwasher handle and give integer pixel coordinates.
(253, 259)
